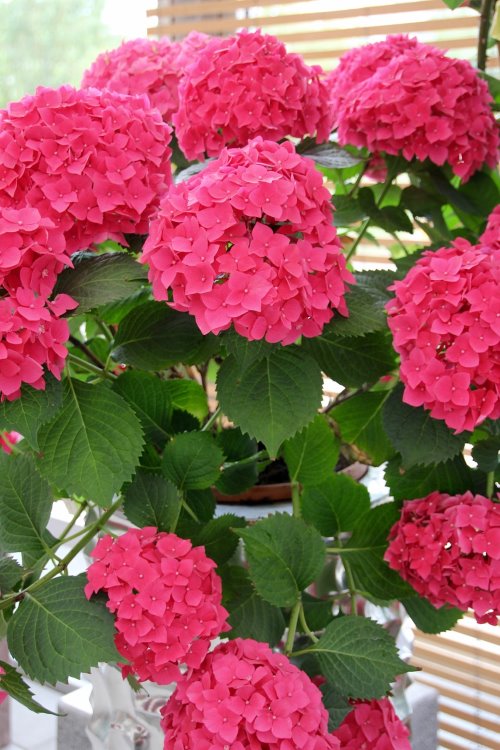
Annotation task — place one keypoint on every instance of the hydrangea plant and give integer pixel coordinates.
(178, 276)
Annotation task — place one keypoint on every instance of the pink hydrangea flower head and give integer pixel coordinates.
(94, 163)
(190, 49)
(32, 250)
(448, 548)
(373, 725)
(32, 337)
(140, 66)
(491, 235)
(423, 105)
(245, 697)
(360, 63)
(7, 440)
(248, 85)
(166, 598)
(250, 241)
(445, 320)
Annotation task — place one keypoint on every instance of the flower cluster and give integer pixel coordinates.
(360, 63)
(250, 241)
(7, 440)
(32, 337)
(94, 163)
(146, 66)
(246, 697)
(373, 725)
(448, 548)
(445, 320)
(248, 85)
(422, 104)
(491, 235)
(166, 598)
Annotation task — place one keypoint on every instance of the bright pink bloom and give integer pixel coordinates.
(93, 163)
(190, 49)
(3, 694)
(250, 242)
(146, 66)
(166, 598)
(32, 250)
(7, 440)
(419, 103)
(245, 697)
(491, 235)
(360, 63)
(248, 85)
(448, 548)
(32, 337)
(445, 320)
(373, 725)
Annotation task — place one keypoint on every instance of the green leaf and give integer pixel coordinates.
(28, 412)
(352, 361)
(347, 211)
(485, 454)
(312, 454)
(318, 612)
(114, 312)
(451, 476)
(98, 279)
(335, 505)
(188, 396)
(25, 505)
(390, 218)
(273, 398)
(192, 461)
(337, 706)
(421, 202)
(482, 191)
(427, 618)
(359, 657)
(154, 337)
(453, 4)
(10, 574)
(364, 555)
(219, 538)
(416, 435)
(445, 188)
(245, 351)
(13, 684)
(149, 397)
(285, 556)
(366, 307)
(93, 444)
(196, 168)
(56, 633)
(236, 446)
(151, 500)
(249, 615)
(329, 155)
(360, 422)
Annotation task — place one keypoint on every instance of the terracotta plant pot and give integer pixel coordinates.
(273, 493)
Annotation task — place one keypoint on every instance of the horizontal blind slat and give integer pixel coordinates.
(196, 8)
(475, 719)
(476, 737)
(474, 701)
(459, 676)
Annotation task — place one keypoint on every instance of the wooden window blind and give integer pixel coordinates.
(321, 30)
(464, 667)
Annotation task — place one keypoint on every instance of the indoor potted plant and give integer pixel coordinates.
(244, 284)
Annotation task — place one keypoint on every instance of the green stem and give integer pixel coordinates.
(305, 627)
(490, 484)
(292, 627)
(105, 330)
(87, 351)
(62, 539)
(358, 180)
(296, 500)
(351, 585)
(260, 456)
(484, 30)
(189, 511)
(400, 243)
(62, 566)
(89, 367)
(210, 421)
(367, 222)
